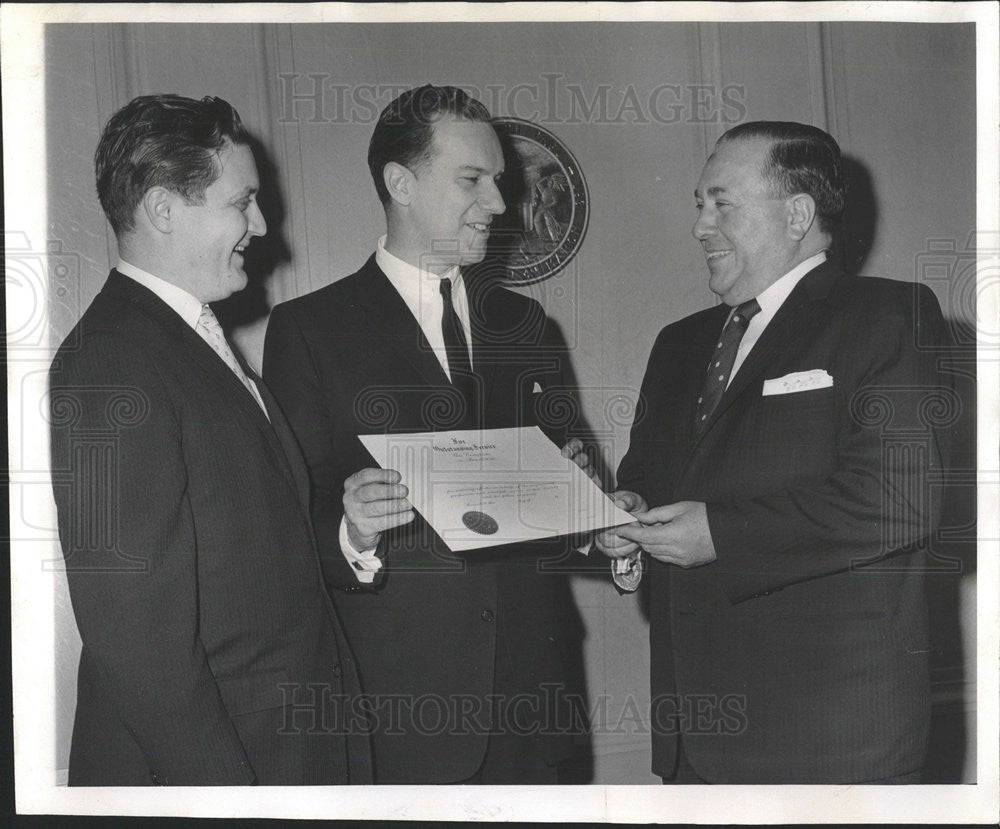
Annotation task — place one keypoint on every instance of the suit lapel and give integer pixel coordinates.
(193, 349)
(392, 320)
(287, 447)
(688, 390)
(483, 366)
(798, 316)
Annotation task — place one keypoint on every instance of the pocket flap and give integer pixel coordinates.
(255, 692)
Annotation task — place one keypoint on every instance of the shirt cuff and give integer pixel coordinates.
(364, 562)
(627, 572)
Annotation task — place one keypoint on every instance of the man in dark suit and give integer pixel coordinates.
(211, 652)
(787, 613)
(468, 660)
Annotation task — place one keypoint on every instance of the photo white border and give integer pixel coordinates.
(21, 38)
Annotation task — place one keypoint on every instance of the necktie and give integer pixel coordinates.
(722, 361)
(456, 347)
(210, 331)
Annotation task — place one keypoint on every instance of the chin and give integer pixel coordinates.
(471, 257)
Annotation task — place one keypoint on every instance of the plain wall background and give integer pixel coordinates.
(900, 98)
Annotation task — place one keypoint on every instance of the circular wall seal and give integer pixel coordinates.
(547, 204)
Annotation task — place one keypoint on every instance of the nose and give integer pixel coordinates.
(704, 225)
(491, 200)
(257, 224)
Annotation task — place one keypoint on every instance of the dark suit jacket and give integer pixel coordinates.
(351, 359)
(192, 567)
(800, 655)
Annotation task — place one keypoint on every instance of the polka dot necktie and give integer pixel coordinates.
(721, 364)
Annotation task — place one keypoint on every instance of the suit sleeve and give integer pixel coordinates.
(877, 501)
(290, 372)
(131, 559)
(631, 470)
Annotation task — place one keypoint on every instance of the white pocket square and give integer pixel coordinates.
(536, 389)
(798, 381)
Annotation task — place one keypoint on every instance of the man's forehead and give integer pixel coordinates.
(466, 143)
(238, 167)
(733, 165)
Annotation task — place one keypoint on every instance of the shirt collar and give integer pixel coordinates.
(410, 280)
(772, 297)
(186, 305)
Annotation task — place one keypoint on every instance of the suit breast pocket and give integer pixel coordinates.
(800, 429)
(813, 411)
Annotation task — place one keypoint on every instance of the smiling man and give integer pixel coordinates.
(469, 664)
(182, 497)
(791, 437)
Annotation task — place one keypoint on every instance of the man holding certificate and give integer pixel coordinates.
(470, 661)
(792, 454)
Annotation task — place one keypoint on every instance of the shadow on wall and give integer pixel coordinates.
(857, 231)
(951, 581)
(267, 252)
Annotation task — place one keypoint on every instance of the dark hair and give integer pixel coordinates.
(405, 129)
(162, 141)
(801, 159)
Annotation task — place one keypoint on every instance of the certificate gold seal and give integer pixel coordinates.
(480, 522)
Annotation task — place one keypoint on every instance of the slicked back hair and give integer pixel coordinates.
(405, 129)
(162, 141)
(801, 159)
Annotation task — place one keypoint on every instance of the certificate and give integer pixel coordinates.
(487, 487)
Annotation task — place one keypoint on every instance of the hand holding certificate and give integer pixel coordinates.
(489, 487)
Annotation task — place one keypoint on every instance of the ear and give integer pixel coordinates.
(801, 215)
(399, 182)
(158, 207)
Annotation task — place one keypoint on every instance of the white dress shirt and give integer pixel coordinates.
(770, 300)
(420, 289)
(186, 306)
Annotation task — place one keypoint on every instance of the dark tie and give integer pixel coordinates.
(721, 365)
(459, 365)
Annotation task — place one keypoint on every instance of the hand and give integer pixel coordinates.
(674, 534)
(577, 452)
(610, 542)
(374, 501)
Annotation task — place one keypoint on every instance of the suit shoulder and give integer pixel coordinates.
(329, 298)
(870, 300)
(110, 346)
(868, 290)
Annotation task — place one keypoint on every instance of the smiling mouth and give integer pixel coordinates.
(240, 249)
(713, 255)
(482, 227)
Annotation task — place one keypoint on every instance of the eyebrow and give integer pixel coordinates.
(246, 191)
(475, 168)
(712, 191)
